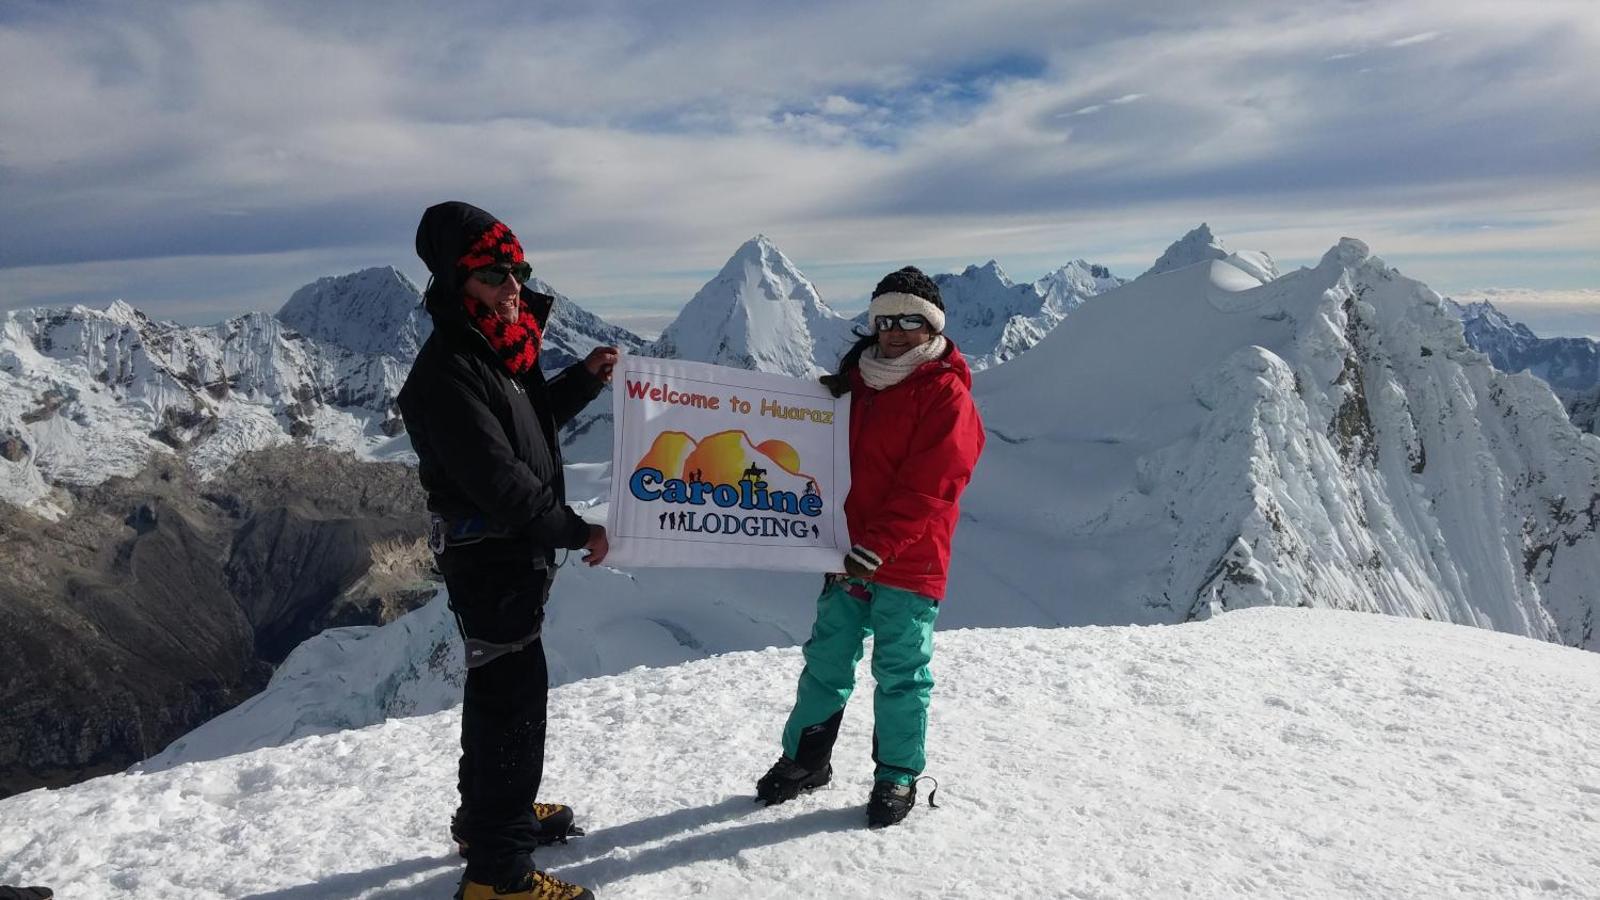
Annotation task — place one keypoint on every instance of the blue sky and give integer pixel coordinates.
(200, 159)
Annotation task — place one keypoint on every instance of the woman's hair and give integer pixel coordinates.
(839, 382)
(908, 280)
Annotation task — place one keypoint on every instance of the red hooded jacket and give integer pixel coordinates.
(912, 450)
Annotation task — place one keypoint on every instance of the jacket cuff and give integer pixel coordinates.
(866, 558)
(577, 530)
(591, 383)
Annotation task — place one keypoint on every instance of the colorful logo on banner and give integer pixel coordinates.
(725, 483)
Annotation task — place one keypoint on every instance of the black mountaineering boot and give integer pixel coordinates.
(889, 802)
(787, 778)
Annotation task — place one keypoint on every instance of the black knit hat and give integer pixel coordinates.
(910, 280)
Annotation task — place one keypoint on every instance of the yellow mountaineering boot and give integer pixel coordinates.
(533, 885)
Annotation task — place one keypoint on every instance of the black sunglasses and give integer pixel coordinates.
(909, 322)
(495, 275)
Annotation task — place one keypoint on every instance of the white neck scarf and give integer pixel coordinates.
(886, 373)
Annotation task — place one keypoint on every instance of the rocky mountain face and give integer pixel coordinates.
(161, 600)
(1584, 408)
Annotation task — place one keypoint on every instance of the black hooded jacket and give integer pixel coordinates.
(486, 441)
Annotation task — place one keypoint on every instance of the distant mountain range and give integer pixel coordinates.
(1570, 365)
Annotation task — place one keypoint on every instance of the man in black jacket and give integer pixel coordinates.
(483, 421)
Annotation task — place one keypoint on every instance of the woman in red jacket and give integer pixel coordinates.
(915, 437)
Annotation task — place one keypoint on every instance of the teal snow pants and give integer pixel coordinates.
(902, 625)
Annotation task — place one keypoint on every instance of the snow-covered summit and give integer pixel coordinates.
(761, 313)
(1325, 439)
(1200, 245)
(1281, 753)
(373, 311)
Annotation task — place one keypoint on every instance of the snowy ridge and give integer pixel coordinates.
(1324, 439)
(1272, 752)
(758, 313)
(573, 331)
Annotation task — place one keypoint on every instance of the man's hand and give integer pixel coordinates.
(600, 363)
(596, 548)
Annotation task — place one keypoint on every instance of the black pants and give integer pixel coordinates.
(498, 599)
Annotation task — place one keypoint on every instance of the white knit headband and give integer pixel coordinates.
(898, 304)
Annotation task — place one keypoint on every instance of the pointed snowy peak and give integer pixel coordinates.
(124, 312)
(987, 275)
(759, 312)
(375, 310)
(1485, 316)
(1199, 245)
(1349, 253)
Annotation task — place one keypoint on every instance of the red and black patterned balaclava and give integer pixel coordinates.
(516, 343)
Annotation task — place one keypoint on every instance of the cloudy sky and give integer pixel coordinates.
(200, 159)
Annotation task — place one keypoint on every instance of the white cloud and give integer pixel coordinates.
(835, 105)
(1581, 298)
(625, 142)
(1414, 39)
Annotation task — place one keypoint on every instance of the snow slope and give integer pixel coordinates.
(1324, 439)
(1271, 752)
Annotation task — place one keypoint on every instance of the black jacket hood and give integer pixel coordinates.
(443, 236)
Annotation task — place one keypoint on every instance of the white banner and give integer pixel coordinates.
(726, 468)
